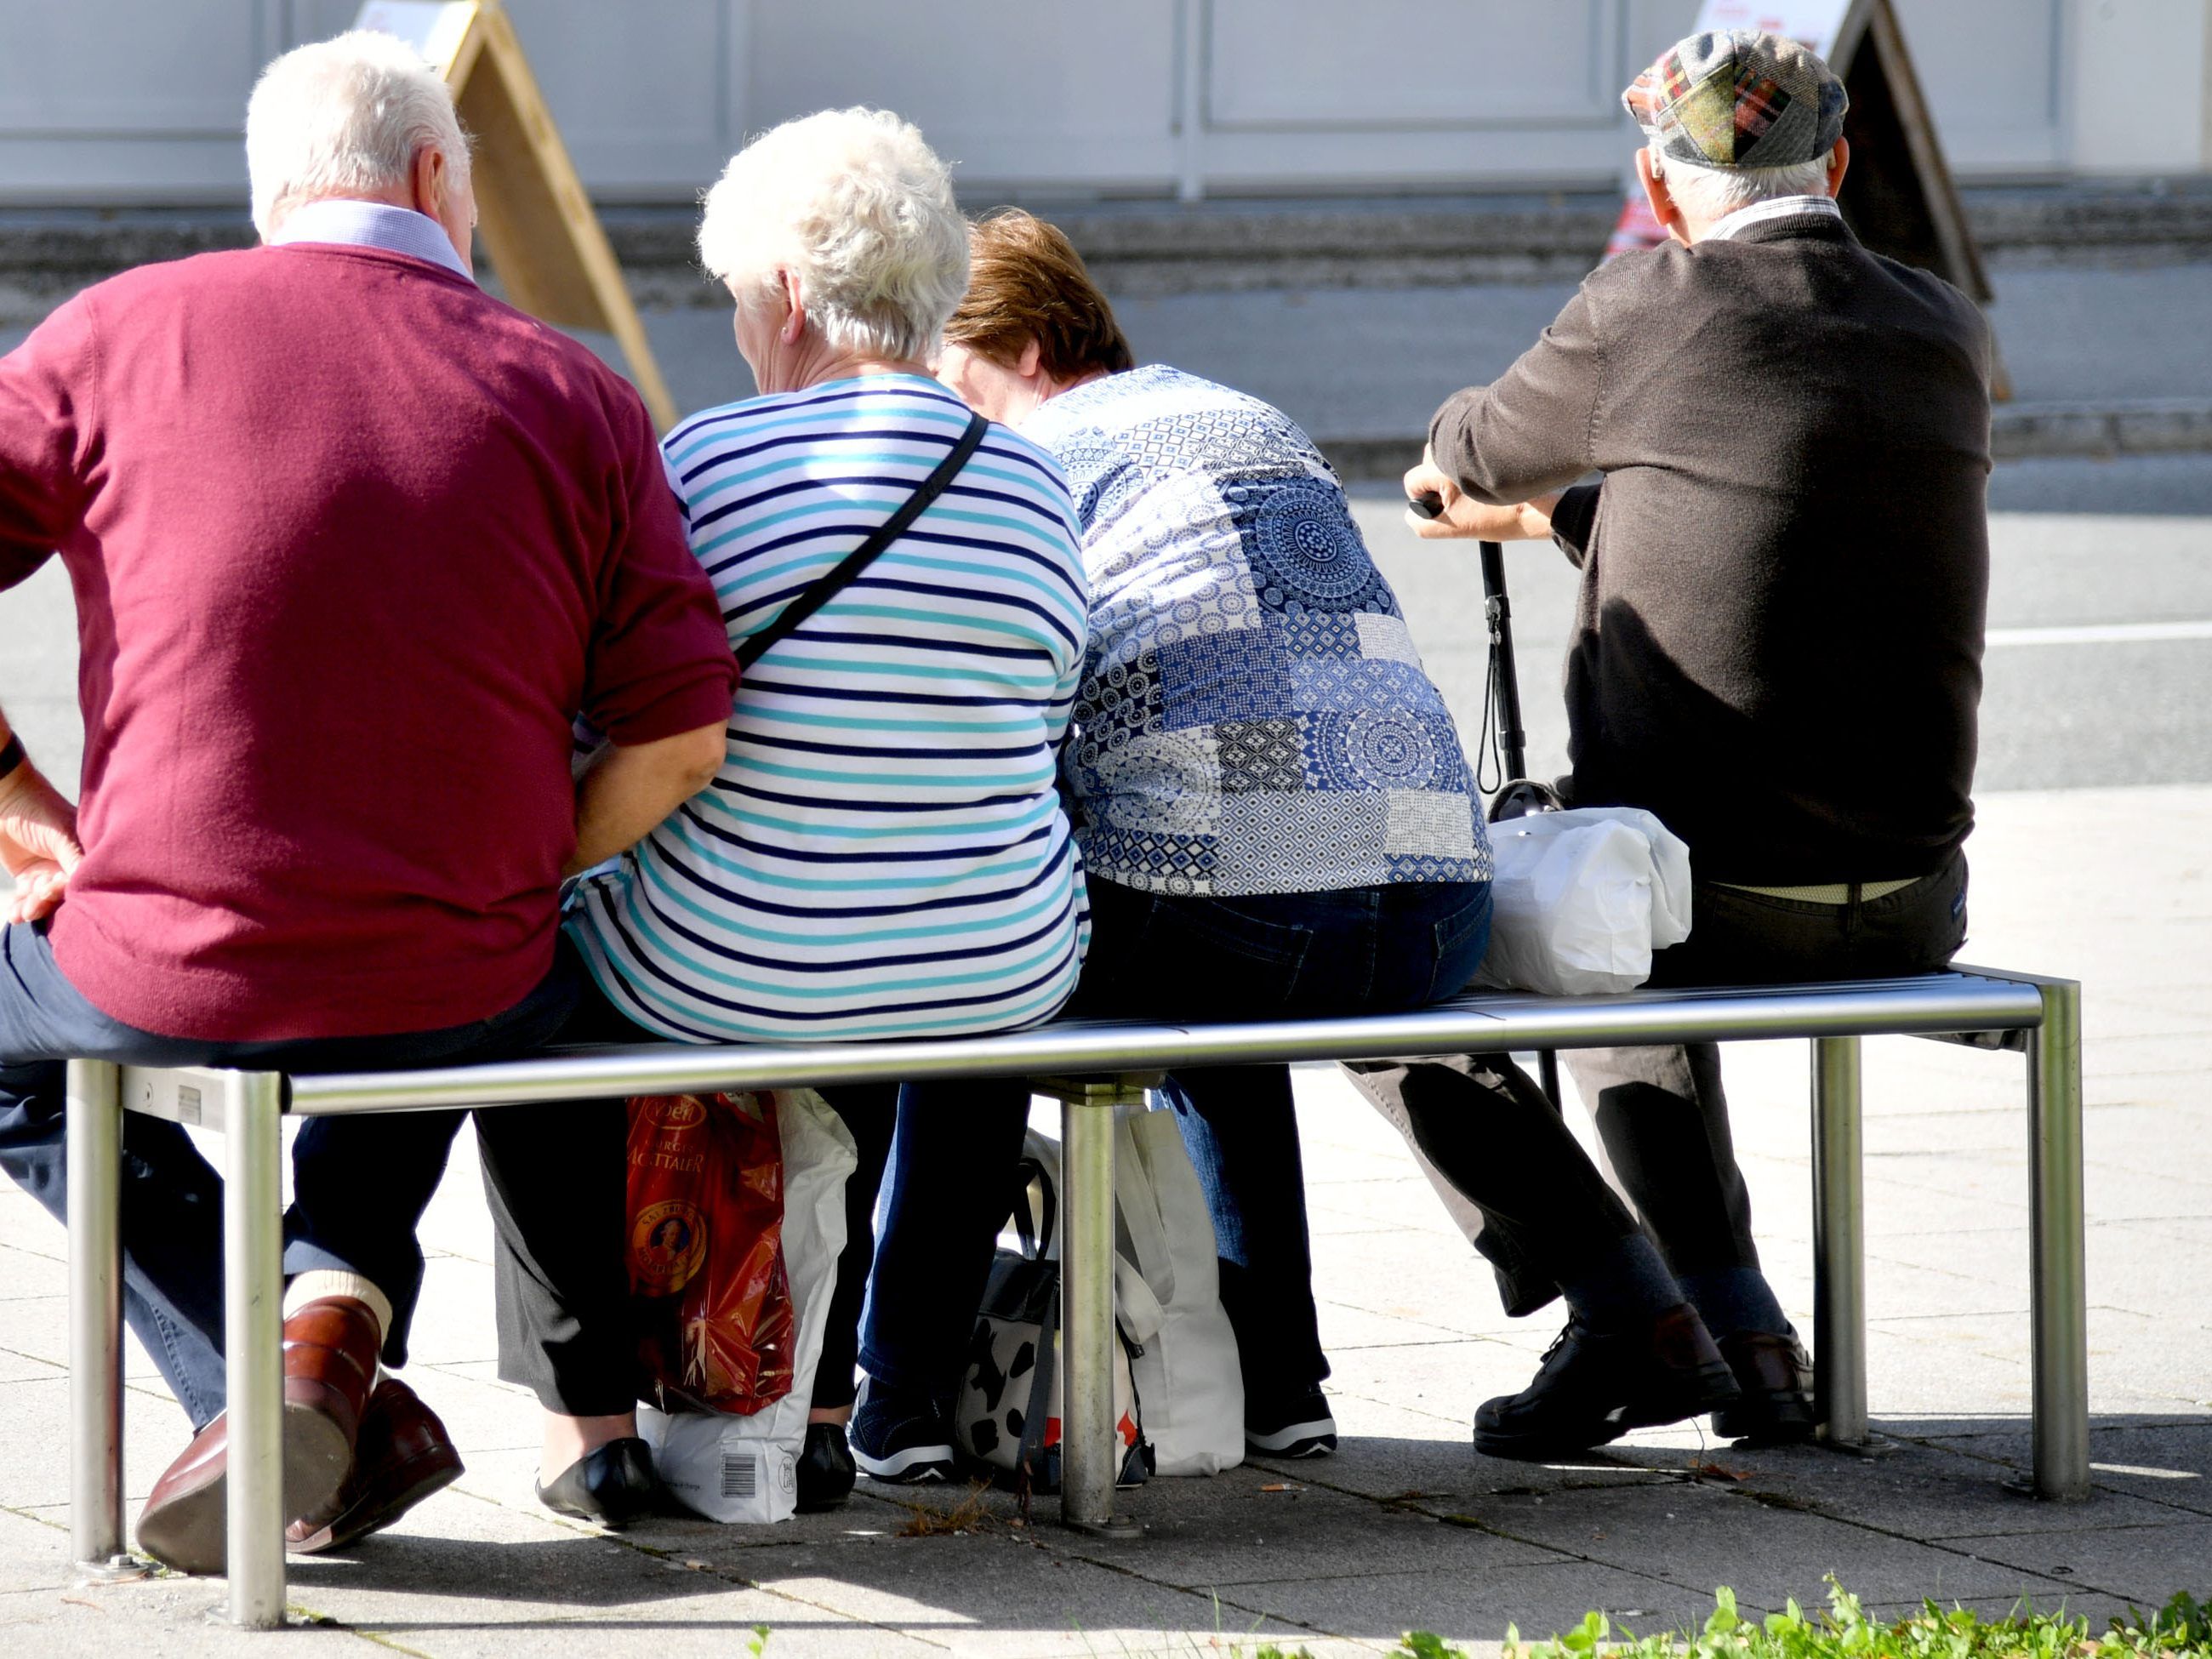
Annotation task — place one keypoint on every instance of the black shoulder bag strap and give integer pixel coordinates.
(849, 568)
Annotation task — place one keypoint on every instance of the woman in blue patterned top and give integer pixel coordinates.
(1275, 815)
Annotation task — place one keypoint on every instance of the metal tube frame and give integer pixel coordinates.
(253, 1105)
(253, 1299)
(2059, 1303)
(1487, 1023)
(1839, 1373)
(1090, 1450)
(93, 1115)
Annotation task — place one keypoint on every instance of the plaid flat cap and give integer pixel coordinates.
(1739, 98)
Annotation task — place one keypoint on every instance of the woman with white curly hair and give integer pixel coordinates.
(884, 854)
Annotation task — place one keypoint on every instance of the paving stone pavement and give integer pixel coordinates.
(1405, 1527)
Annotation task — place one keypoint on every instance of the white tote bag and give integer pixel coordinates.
(1581, 899)
(1168, 1283)
(1167, 1296)
(729, 1467)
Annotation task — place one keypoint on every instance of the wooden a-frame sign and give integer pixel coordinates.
(536, 222)
(1897, 194)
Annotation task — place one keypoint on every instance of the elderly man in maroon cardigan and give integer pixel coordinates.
(351, 543)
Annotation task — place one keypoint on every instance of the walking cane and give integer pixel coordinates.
(1502, 696)
(1512, 739)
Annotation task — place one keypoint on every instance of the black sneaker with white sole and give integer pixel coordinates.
(1297, 1427)
(899, 1436)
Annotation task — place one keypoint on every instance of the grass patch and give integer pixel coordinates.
(2183, 1627)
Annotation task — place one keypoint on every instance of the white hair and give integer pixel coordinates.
(1709, 194)
(345, 116)
(860, 210)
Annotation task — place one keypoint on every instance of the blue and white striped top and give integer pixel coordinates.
(883, 852)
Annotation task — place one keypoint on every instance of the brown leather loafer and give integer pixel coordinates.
(182, 1524)
(331, 1347)
(404, 1454)
(1776, 1375)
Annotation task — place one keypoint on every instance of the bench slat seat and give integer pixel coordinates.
(1484, 1022)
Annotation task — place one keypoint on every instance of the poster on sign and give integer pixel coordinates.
(433, 28)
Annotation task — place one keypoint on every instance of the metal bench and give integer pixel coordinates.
(1092, 1067)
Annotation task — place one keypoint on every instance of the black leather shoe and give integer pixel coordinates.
(613, 1485)
(826, 1468)
(1594, 1386)
(1776, 1375)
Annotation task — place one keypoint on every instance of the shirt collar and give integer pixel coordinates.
(371, 224)
(1782, 207)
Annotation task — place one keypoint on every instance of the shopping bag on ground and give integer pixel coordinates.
(710, 1292)
(742, 1465)
(1581, 899)
(1167, 1291)
(1007, 1417)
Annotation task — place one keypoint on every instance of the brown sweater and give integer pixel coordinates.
(1784, 569)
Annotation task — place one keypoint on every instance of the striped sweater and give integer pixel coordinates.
(883, 852)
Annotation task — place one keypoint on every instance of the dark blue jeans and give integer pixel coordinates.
(359, 1183)
(1163, 956)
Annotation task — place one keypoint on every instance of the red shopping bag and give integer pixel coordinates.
(716, 1322)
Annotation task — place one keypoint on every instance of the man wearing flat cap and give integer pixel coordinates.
(1777, 649)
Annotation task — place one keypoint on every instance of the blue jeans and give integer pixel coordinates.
(1164, 956)
(359, 1183)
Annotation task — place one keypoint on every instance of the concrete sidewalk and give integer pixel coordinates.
(1405, 1527)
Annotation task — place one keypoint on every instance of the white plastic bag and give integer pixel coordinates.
(1581, 899)
(729, 1467)
(1167, 1296)
(1167, 1285)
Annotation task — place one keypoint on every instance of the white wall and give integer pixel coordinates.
(140, 100)
(2138, 81)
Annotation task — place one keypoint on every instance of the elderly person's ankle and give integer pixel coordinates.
(321, 1284)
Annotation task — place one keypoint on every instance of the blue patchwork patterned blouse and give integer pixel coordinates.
(1253, 717)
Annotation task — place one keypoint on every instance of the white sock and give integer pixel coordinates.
(319, 1282)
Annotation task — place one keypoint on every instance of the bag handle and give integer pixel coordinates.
(849, 569)
(1040, 1402)
(1137, 1202)
(1036, 1240)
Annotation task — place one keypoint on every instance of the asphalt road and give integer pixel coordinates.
(2100, 666)
(1369, 362)
(2099, 551)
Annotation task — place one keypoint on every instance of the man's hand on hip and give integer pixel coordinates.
(38, 843)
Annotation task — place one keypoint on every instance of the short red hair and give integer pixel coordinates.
(1026, 281)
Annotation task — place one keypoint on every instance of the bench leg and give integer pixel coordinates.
(94, 1147)
(2060, 1299)
(1090, 1450)
(1838, 1244)
(253, 1296)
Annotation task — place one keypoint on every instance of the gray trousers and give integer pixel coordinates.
(1521, 1184)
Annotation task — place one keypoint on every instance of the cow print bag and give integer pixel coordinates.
(1008, 1413)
